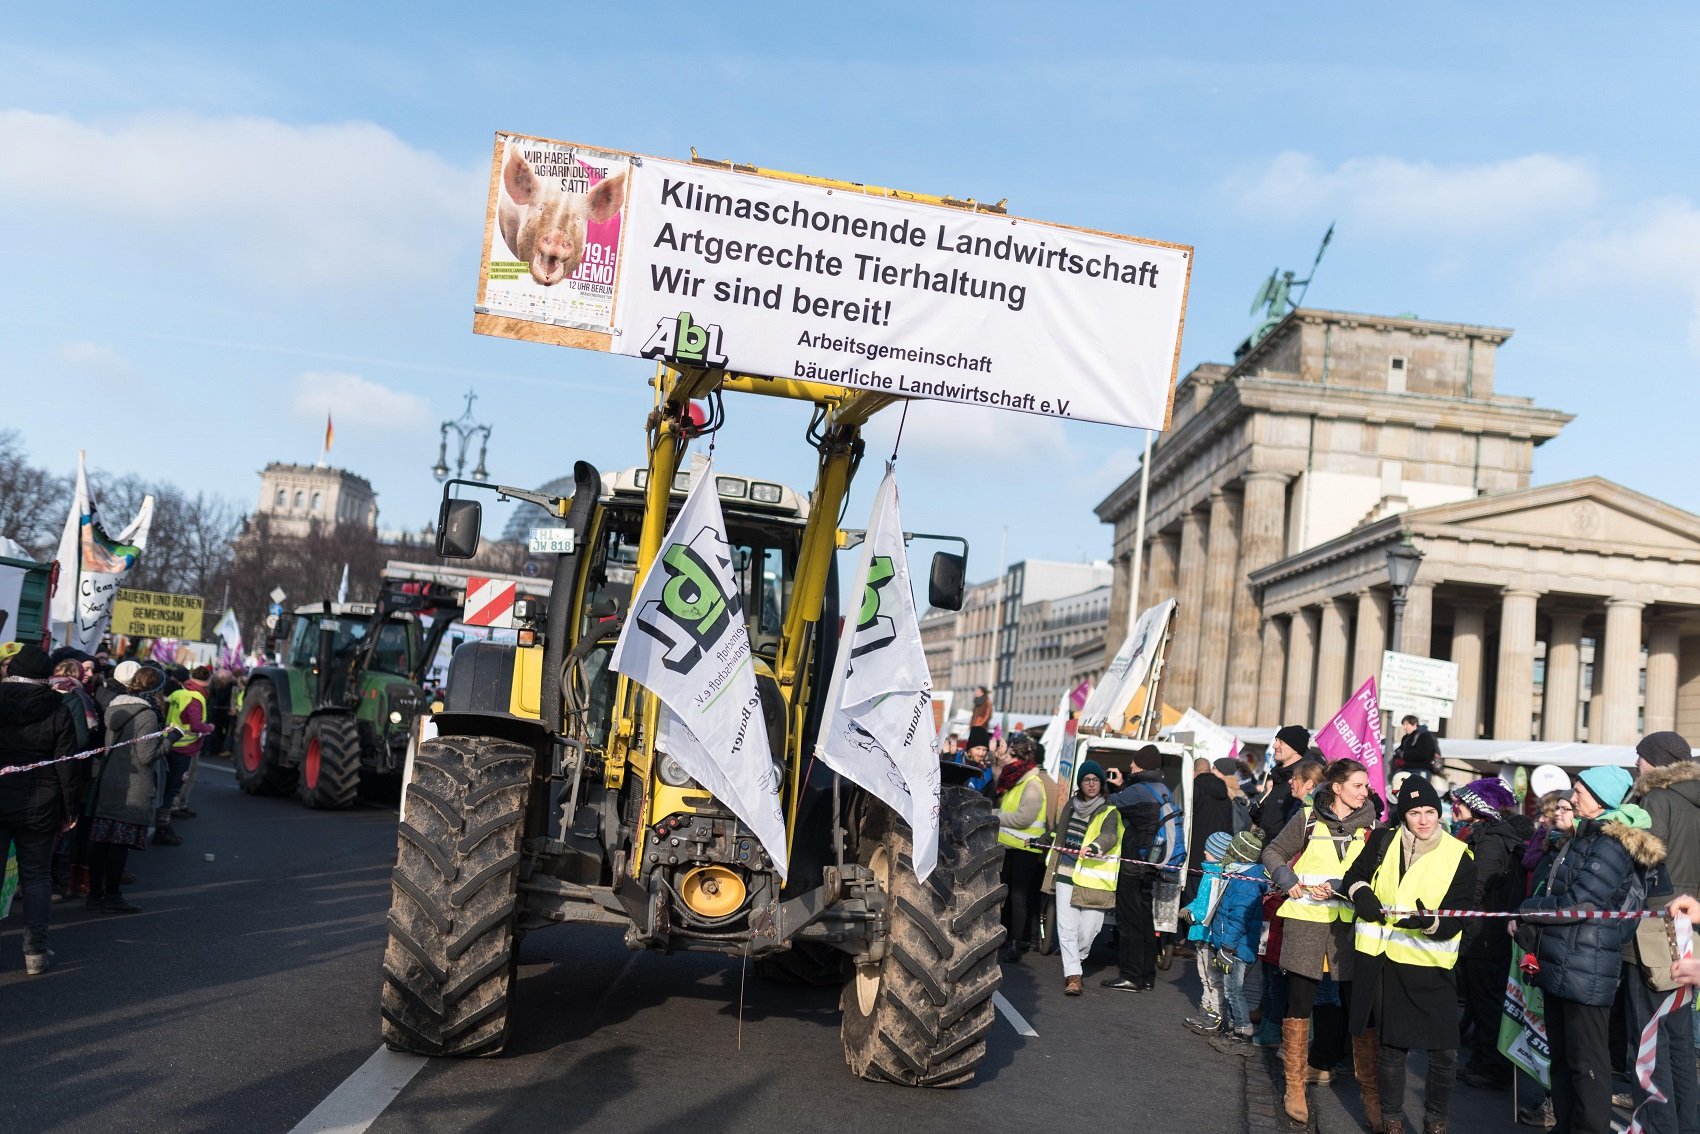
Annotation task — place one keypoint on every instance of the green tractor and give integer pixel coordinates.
(344, 701)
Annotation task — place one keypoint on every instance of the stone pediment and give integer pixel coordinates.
(1591, 511)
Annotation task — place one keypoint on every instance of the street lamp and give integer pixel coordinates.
(465, 429)
(1403, 559)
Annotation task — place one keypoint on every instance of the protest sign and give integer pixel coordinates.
(1355, 731)
(790, 277)
(150, 614)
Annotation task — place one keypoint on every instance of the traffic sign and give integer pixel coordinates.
(279, 594)
(489, 602)
(275, 609)
(1424, 687)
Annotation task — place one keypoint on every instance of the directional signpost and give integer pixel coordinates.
(1426, 687)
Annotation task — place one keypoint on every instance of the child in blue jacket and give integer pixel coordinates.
(1198, 915)
(1234, 929)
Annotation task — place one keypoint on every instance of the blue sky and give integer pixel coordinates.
(218, 222)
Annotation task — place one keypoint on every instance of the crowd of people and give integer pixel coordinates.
(73, 823)
(1309, 915)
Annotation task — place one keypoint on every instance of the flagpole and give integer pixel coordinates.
(997, 615)
(1139, 537)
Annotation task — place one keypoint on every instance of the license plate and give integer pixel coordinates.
(552, 541)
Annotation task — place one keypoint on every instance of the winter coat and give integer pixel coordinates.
(35, 724)
(1411, 1006)
(1140, 812)
(1109, 838)
(1238, 924)
(1671, 797)
(1308, 946)
(1581, 960)
(129, 785)
(1212, 809)
(1271, 812)
(1416, 752)
(1202, 906)
(1497, 847)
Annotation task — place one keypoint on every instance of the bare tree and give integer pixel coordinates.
(33, 501)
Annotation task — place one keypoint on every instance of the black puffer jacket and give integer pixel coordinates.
(1501, 883)
(1581, 960)
(35, 724)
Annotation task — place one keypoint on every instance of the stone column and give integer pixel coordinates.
(1271, 668)
(1564, 677)
(1121, 583)
(1181, 680)
(1469, 627)
(1370, 641)
(1416, 632)
(1222, 562)
(1263, 513)
(1664, 643)
(1514, 704)
(1160, 559)
(1301, 667)
(1620, 676)
(1331, 660)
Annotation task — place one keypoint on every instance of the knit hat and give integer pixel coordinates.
(125, 672)
(1296, 737)
(1216, 846)
(1247, 846)
(1148, 759)
(9, 649)
(1662, 748)
(1489, 798)
(1226, 765)
(1089, 768)
(1610, 785)
(31, 661)
(1414, 792)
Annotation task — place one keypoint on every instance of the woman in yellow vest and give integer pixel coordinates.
(1021, 820)
(1085, 884)
(1406, 993)
(1309, 860)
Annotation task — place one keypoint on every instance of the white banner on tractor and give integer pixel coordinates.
(704, 266)
(1127, 672)
(881, 734)
(686, 641)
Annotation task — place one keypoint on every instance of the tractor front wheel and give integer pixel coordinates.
(259, 743)
(920, 1015)
(330, 767)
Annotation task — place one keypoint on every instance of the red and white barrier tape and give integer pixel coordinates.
(14, 769)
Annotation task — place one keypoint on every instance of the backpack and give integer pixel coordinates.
(1169, 848)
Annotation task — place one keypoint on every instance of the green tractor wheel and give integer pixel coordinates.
(330, 768)
(259, 743)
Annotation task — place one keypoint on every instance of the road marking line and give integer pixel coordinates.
(362, 1097)
(1021, 1026)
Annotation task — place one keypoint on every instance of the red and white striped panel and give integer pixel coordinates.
(489, 602)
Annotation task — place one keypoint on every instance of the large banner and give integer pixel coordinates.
(151, 614)
(703, 266)
(90, 565)
(1355, 732)
(1129, 669)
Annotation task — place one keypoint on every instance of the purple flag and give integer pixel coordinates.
(1355, 731)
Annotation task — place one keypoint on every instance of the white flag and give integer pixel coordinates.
(91, 563)
(881, 734)
(686, 641)
(342, 587)
(229, 631)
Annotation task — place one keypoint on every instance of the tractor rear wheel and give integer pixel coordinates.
(449, 966)
(921, 1015)
(330, 767)
(259, 743)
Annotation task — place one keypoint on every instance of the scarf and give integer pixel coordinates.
(1012, 773)
(1414, 848)
(1086, 808)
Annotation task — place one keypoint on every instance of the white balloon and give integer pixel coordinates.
(1548, 777)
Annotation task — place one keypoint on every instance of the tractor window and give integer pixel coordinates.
(396, 646)
(304, 645)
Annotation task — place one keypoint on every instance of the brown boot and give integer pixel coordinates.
(1295, 1049)
(1434, 1126)
(1393, 1126)
(1365, 1050)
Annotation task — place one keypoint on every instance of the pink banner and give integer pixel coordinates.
(1355, 731)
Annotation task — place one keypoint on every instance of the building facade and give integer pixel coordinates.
(1285, 479)
(1059, 634)
(294, 497)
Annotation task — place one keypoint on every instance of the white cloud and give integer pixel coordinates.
(1655, 246)
(341, 204)
(353, 400)
(944, 433)
(95, 360)
(1390, 193)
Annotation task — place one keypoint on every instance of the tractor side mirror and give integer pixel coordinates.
(947, 581)
(457, 528)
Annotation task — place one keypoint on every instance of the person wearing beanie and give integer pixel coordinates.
(1603, 867)
(1236, 928)
(1405, 992)
(1197, 915)
(1667, 787)
(1213, 809)
(127, 787)
(1143, 799)
(1272, 808)
(1081, 870)
(38, 805)
(1488, 821)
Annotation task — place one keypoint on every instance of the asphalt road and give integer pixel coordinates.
(247, 992)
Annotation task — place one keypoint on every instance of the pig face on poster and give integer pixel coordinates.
(544, 222)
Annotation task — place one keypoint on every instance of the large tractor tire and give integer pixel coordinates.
(330, 767)
(259, 744)
(921, 1015)
(449, 966)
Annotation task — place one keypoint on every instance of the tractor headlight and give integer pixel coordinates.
(395, 716)
(672, 772)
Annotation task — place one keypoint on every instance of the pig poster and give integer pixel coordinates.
(553, 248)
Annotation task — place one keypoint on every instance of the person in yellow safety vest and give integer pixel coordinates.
(1405, 987)
(1021, 821)
(1082, 870)
(1309, 859)
(185, 710)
